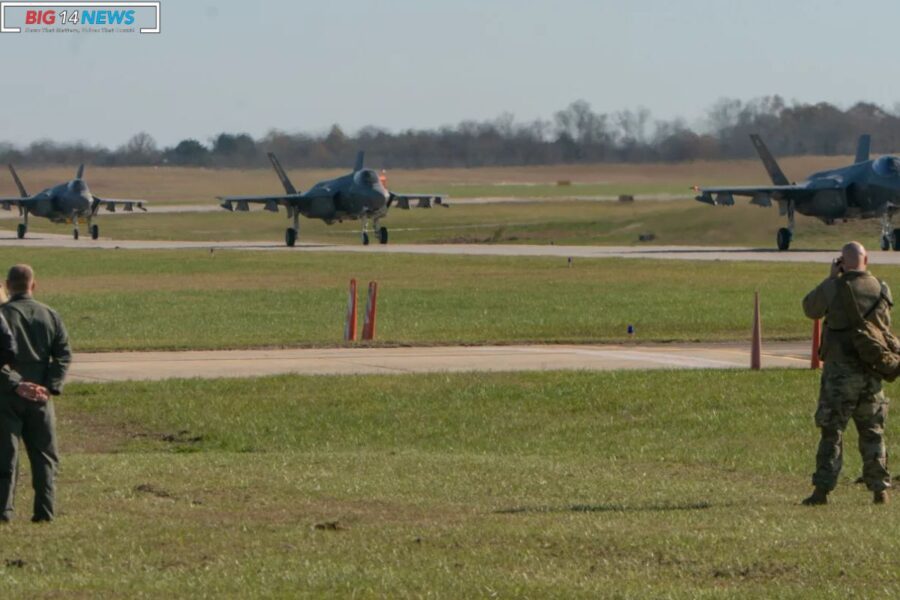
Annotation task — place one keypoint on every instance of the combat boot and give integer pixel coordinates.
(818, 497)
(880, 497)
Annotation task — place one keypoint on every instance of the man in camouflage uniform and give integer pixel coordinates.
(26, 411)
(849, 389)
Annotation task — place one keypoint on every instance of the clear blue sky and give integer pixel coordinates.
(301, 65)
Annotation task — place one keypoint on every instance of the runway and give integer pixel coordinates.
(691, 253)
(214, 205)
(122, 366)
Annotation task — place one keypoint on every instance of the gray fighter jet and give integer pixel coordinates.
(866, 189)
(64, 203)
(359, 195)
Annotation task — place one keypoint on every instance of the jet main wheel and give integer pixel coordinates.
(290, 237)
(885, 242)
(784, 238)
(75, 234)
(383, 235)
(365, 238)
(895, 240)
(95, 232)
(21, 231)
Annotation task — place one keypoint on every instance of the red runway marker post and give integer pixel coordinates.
(371, 308)
(350, 321)
(756, 348)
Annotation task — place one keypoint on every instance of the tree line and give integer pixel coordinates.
(575, 134)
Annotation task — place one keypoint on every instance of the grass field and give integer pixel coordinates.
(193, 299)
(662, 485)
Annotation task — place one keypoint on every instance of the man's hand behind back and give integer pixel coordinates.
(32, 392)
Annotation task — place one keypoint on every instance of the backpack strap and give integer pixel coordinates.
(884, 297)
(848, 299)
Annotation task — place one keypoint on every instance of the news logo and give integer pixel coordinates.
(17, 16)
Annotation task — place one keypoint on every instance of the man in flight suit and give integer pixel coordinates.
(26, 410)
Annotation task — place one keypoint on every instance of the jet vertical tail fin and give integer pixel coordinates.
(360, 161)
(775, 172)
(80, 173)
(18, 181)
(285, 181)
(862, 148)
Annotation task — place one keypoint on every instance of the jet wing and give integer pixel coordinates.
(242, 203)
(422, 200)
(8, 203)
(110, 204)
(759, 195)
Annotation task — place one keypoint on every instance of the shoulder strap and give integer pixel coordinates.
(848, 298)
(852, 308)
(883, 297)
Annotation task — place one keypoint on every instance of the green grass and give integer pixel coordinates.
(628, 484)
(231, 299)
(562, 222)
(566, 191)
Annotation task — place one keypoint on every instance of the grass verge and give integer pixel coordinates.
(663, 484)
(135, 300)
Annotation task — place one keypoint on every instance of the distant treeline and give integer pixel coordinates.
(575, 134)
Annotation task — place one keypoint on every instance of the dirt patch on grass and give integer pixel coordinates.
(82, 432)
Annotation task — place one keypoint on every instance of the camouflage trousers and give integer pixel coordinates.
(847, 392)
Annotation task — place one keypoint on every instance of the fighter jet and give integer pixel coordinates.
(360, 194)
(64, 203)
(867, 189)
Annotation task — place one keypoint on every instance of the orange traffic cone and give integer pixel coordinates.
(814, 362)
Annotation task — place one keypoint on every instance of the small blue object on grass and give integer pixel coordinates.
(631, 330)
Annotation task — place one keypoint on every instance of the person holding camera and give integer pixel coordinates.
(850, 389)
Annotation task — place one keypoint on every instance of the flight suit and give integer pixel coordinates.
(43, 357)
(849, 389)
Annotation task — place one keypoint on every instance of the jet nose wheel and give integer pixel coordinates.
(290, 237)
(21, 231)
(365, 239)
(95, 232)
(885, 242)
(784, 238)
(383, 235)
(895, 240)
(75, 234)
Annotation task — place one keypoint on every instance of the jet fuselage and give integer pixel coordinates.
(349, 197)
(62, 202)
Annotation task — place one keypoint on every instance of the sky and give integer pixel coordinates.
(303, 65)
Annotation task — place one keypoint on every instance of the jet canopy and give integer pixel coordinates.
(367, 177)
(887, 166)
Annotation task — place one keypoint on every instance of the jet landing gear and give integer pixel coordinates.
(890, 238)
(786, 234)
(382, 233)
(783, 239)
(22, 229)
(380, 230)
(95, 231)
(292, 233)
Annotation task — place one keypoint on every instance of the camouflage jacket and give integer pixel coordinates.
(874, 301)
